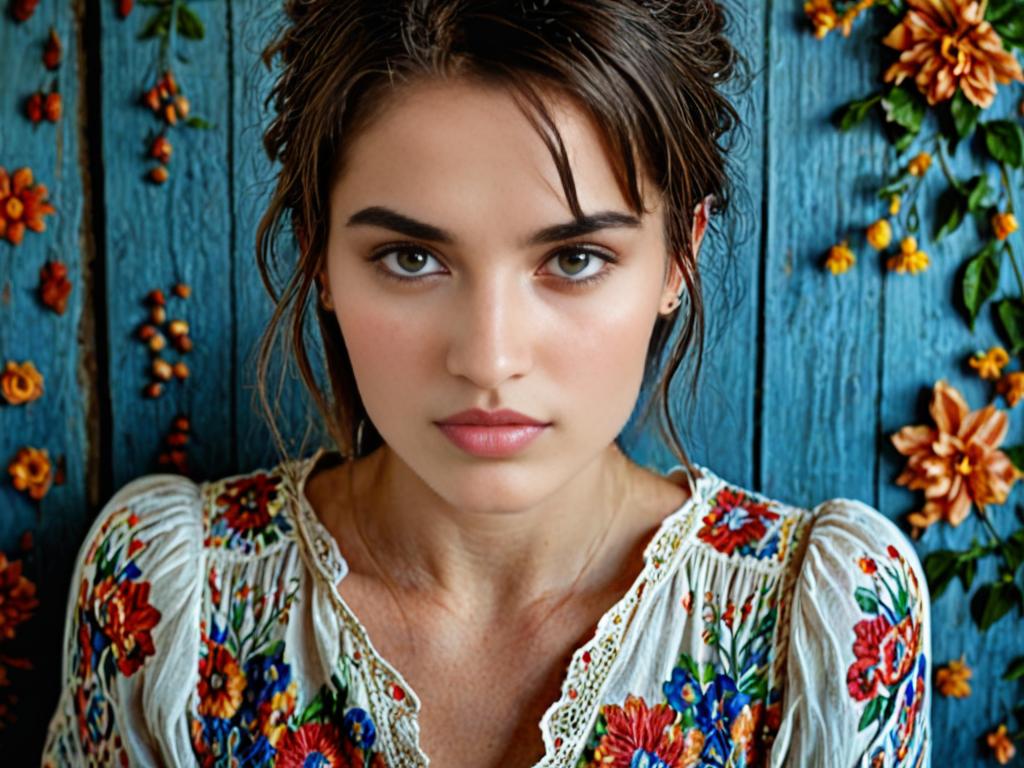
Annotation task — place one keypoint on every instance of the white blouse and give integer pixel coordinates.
(205, 629)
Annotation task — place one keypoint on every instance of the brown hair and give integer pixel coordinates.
(650, 71)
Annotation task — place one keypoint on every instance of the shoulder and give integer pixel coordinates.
(744, 524)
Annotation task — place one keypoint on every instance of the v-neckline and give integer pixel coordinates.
(591, 662)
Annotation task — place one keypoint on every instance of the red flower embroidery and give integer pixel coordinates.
(635, 727)
(736, 520)
(312, 744)
(862, 676)
(126, 617)
(247, 501)
(221, 682)
(899, 649)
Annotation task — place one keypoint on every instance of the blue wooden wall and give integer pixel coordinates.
(805, 375)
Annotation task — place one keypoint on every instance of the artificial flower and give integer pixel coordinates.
(953, 679)
(947, 44)
(1011, 387)
(879, 234)
(840, 258)
(989, 365)
(21, 382)
(1004, 225)
(957, 462)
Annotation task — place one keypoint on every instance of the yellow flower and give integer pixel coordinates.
(21, 383)
(919, 164)
(1011, 386)
(894, 205)
(880, 234)
(840, 258)
(909, 259)
(1001, 744)
(822, 15)
(1004, 225)
(989, 365)
(31, 471)
(952, 679)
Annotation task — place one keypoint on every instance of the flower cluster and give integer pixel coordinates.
(23, 204)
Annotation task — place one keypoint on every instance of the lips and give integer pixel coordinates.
(504, 417)
(491, 434)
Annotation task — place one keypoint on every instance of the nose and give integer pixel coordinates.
(491, 333)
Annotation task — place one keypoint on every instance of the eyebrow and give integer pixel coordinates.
(379, 216)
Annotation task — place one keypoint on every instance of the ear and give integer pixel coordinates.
(700, 223)
(675, 279)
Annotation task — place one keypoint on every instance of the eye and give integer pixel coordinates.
(409, 261)
(583, 266)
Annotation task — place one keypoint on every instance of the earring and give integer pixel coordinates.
(672, 305)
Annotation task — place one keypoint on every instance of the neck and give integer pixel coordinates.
(486, 560)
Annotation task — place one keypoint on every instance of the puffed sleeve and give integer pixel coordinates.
(132, 631)
(858, 661)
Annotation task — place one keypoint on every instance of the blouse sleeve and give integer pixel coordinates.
(132, 630)
(858, 662)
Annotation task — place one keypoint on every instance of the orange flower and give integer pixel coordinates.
(1004, 225)
(879, 234)
(21, 383)
(989, 365)
(909, 259)
(946, 44)
(840, 258)
(952, 679)
(919, 164)
(22, 204)
(1001, 744)
(54, 286)
(31, 471)
(957, 461)
(1011, 386)
(824, 18)
(53, 51)
(17, 597)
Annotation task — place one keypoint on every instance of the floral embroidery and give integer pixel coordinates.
(248, 513)
(888, 671)
(115, 622)
(738, 521)
(247, 700)
(722, 712)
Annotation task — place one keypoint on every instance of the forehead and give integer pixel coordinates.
(462, 146)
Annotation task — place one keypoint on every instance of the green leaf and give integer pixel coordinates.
(1004, 140)
(965, 114)
(855, 112)
(904, 140)
(1011, 324)
(980, 281)
(993, 601)
(157, 26)
(978, 190)
(939, 570)
(904, 108)
(1015, 549)
(190, 25)
(893, 188)
(952, 206)
(871, 712)
(1016, 454)
(866, 599)
(966, 570)
(1008, 20)
(198, 122)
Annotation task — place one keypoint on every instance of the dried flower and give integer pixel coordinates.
(952, 679)
(957, 461)
(21, 383)
(158, 174)
(946, 44)
(161, 149)
(54, 286)
(53, 106)
(17, 597)
(919, 164)
(156, 296)
(1011, 387)
(22, 10)
(124, 7)
(909, 259)
(157, 314)
(1004, 225)
(840, 258)
(1001, 744)
(53, 51)
(177, 328)
(822, 15)
(31, 471)
(894, 205)
(153, 390)
(182, 290)
(183, 343)
(157, 343)
(147, 331)
(22, 205)
(181, 424)
(879, 234)
(162, 369)
(181, 370)
(989, 365)
(34, 107)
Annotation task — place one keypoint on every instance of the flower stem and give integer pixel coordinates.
(997, 540)
(944, 164)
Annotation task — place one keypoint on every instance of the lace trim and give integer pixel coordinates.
(566, 724)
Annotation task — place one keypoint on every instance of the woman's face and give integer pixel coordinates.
(449, 298)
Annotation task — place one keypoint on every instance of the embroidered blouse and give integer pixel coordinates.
(204, 628)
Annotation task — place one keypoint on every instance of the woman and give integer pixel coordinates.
(499, 206)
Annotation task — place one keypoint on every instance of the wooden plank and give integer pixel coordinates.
(30, 331)
(252, 25)
(157, 236)
(821, 332)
